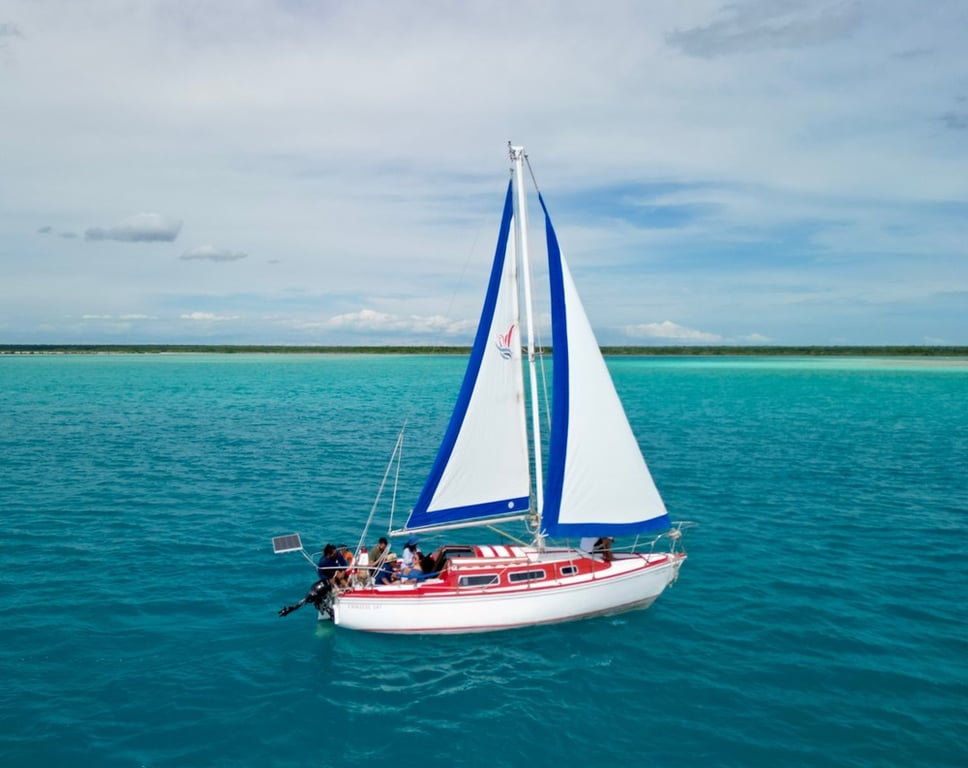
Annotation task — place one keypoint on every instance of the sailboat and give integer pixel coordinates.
(489, 470)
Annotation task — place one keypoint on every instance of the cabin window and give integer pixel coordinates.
(569, 570)
(482, 580)
(450, 552)
(526, 576)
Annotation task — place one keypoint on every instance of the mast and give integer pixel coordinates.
(521, 248)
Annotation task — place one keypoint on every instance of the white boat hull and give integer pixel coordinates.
(628, 583)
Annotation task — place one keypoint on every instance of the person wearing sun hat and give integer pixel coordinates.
(385, 573)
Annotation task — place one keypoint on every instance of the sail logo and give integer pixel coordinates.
(503, 342)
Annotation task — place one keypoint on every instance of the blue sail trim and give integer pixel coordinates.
(471, 512)
(421, 514)
(655, 525)
(558, 440)
(560, 398)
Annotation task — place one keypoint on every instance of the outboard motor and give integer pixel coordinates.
(318, 595)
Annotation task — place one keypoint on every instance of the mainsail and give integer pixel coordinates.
(482, 471)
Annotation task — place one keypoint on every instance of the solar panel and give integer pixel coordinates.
(288, 543)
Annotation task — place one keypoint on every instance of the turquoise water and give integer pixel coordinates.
(820, 619)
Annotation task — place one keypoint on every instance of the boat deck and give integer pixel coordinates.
(499, 568)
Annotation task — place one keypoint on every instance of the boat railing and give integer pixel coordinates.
(669, 542)
(672, 539)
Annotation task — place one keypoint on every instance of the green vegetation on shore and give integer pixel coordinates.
(227, 349)
(767, 351)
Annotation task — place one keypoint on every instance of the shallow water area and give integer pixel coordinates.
(819, 619)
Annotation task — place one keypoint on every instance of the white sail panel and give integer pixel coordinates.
(490, 456)
(606, 481)
(482, 469)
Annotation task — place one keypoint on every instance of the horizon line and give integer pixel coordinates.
(615, 350)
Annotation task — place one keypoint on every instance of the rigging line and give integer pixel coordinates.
(505, 534)
(540, 351)
(396, 478)
(462, 279)
(544, 387)
(540, 355)
(397, 449)
(413, 402)
(435, 347)
(534, 181)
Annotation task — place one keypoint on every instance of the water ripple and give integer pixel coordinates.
(818, 621)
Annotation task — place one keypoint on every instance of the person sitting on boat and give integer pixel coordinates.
(379, 553)
(603, 547)
(386, 574)
(427, 564)
(410, 556)
(333, 566)
(411, 574)
(422, 568)
(347, 554)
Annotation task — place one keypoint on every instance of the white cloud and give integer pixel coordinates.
(753, 338)
(669, 331)
(211, 253)
(815, 150)
(9, 30)
(368, 320)
(207, 317)
(118, 317)
(140, 228)
(768, 24)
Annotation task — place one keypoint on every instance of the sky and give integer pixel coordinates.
(332, 173)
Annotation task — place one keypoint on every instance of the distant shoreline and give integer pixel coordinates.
(690, 351)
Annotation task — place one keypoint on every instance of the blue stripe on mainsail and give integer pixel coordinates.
(471, 512)
(558, 440)
(420, 515)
